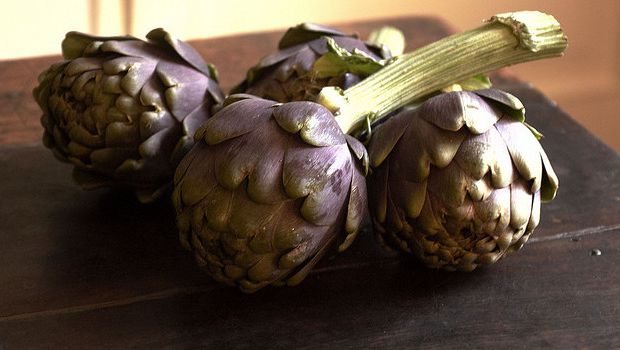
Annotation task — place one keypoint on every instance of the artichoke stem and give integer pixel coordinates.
(505, 39)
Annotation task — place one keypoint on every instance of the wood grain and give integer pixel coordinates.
(98, 270)
(553, 295)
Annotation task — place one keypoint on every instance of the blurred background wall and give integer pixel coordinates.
(584, 82)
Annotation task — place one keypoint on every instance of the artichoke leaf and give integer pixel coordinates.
(477, 82)
(305, 32)
(524, 151)
(235, 120)
(186, 99)
(357, 209)
(81, 65)
(195, 186)
(451, 111)
(313, 123)
(307, 267)
(360, 152)
(385, 137)
(550, 180)
(510, 104)
(265, 182)
(262, 67)
(184, 50)
(323, 176)
(484, 153)
(537, 134)
(338, 61)
(378, 192)
(298, 64)
(520, 204)
(75, 43)
(351, 45)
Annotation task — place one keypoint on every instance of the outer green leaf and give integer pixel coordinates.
(476, 82)
(338, 61)
(536, 133)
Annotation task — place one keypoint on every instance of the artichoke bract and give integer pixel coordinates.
(286, 75)
(267, 190)
(458, 182)
(124, 111)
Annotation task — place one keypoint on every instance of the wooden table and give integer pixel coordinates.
(97, 270)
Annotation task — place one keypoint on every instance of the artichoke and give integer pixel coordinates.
(267, 189)
(287, 75)
(124, 111)
(458, 182)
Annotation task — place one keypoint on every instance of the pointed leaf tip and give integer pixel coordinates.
(305, 32)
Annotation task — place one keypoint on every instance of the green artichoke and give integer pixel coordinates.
(267, 190)
(123, 110)
(287, 75)
(458, 182)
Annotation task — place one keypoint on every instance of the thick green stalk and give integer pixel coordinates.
(505, 40)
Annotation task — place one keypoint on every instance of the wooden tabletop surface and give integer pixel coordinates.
(83, 270)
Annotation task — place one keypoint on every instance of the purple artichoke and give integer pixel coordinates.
(267, 189)
(458, 182)
(123, 110)
(286, 75)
